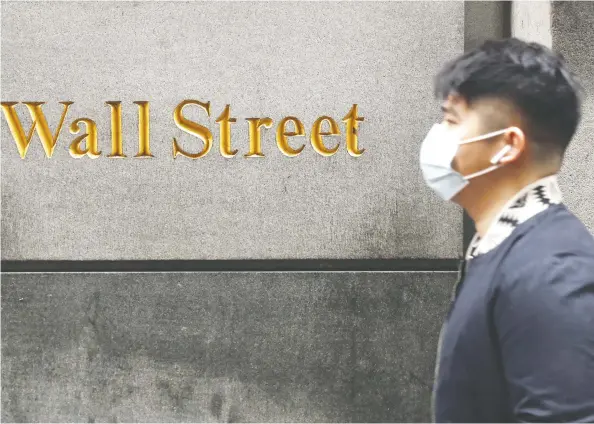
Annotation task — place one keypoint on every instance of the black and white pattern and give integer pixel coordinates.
(531, 200)
(541, 194)
(513, 222)
(521, 202)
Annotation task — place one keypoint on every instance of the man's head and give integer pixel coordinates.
(508, 84)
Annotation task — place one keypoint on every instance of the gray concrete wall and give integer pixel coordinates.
(188, 347)
(171, 347)
(572, 31)
(264, 59)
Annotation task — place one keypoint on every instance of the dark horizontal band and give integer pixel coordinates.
(279, 265)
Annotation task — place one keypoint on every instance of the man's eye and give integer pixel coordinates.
(449, 123)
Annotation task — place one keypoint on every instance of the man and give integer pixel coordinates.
(518, 341)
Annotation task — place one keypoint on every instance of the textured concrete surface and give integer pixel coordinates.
(531, 21)
(483, 20)
(273, 59)
(202, 347)
(573, 35)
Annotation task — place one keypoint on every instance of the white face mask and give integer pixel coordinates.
(437, 154)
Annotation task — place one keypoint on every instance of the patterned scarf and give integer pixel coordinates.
(530, 201)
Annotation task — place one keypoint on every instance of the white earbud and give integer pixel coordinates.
(495, 160)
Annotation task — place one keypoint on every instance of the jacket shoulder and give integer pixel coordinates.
(550, 236)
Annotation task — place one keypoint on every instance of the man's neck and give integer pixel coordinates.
(484, 205)
(484, 209)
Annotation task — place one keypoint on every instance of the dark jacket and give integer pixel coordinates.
(518, 341)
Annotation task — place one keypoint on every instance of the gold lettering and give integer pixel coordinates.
(224, 121)
(282, 136)
(117, 146)
(255, 136)
(352, 122)
(144, 148)
(91, 139)
(39, 124)
(192, 128)
(316, 135)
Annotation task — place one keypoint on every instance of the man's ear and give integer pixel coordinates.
(515, 146)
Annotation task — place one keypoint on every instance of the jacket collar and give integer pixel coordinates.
(531, 200)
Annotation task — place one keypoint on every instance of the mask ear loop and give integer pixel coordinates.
(484, 136)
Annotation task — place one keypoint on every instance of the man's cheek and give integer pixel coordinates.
(456, 162)
(463, 160)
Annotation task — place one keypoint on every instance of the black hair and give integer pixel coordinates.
(536, 81)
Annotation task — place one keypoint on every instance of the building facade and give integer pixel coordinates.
(193, 268)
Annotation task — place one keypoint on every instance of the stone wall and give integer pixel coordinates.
(224, 346)
(572, 33)
(231, 347)
(274, 60)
